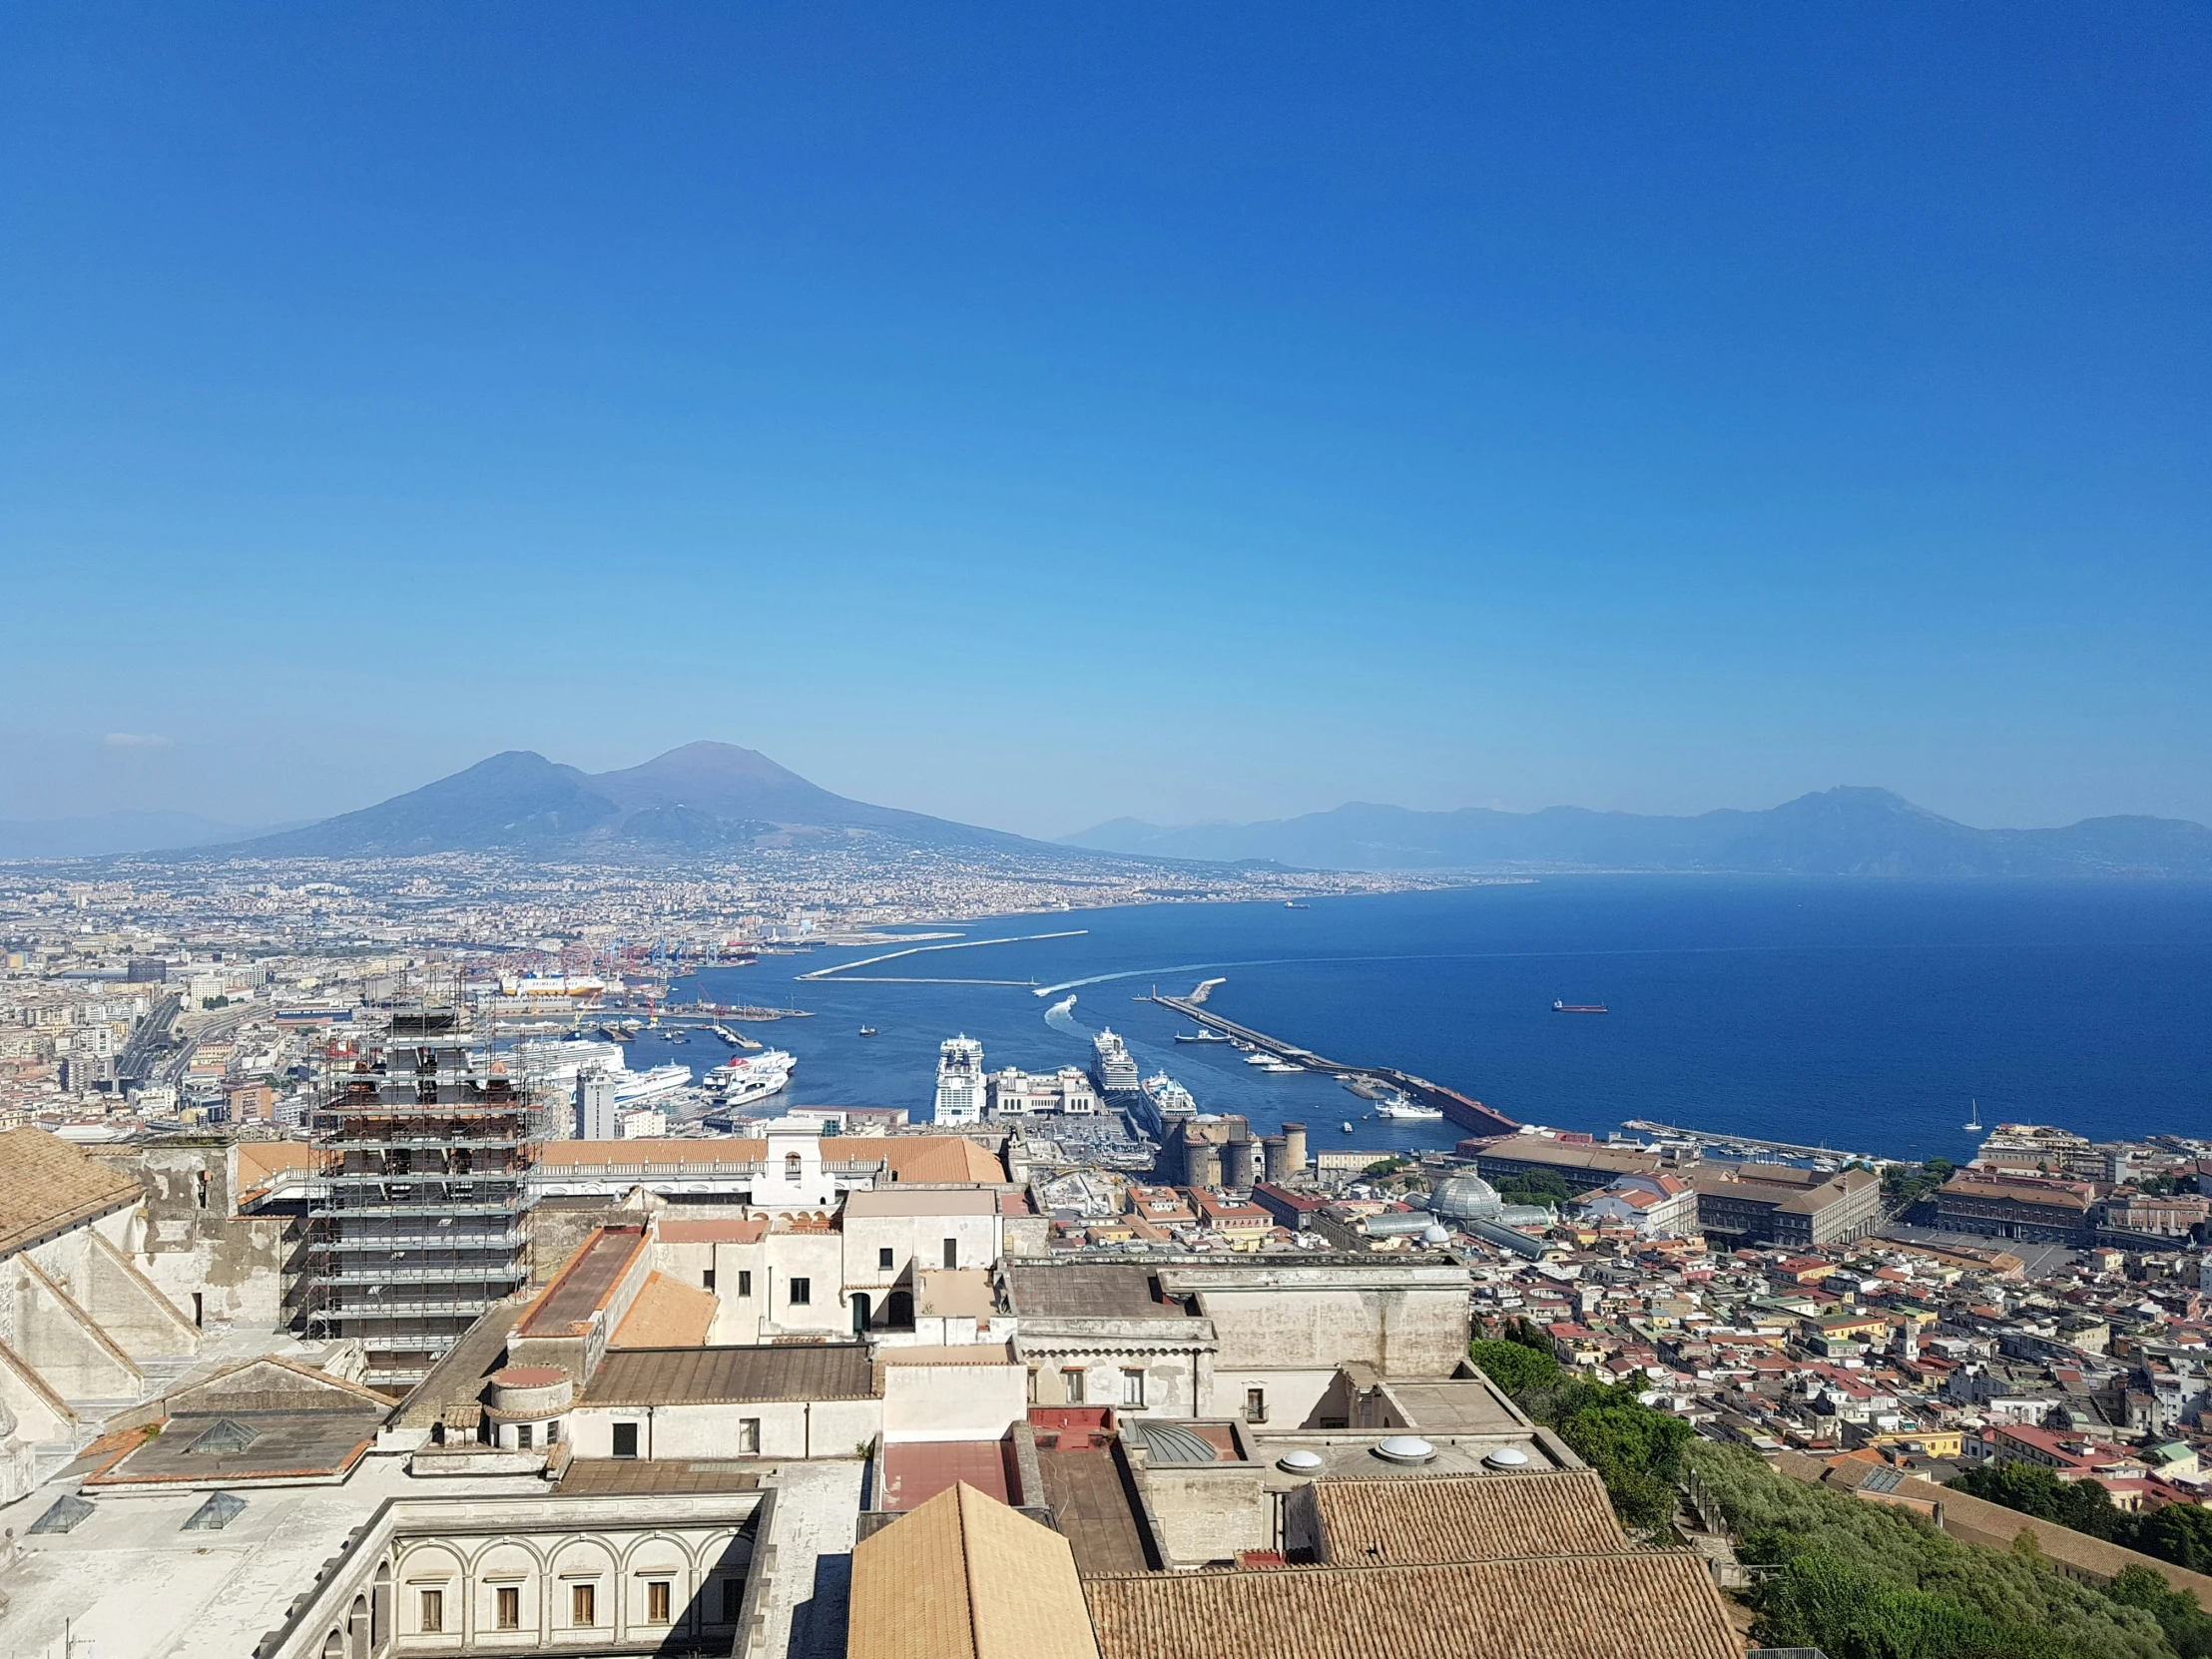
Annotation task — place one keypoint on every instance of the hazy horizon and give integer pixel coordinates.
(1037, 418)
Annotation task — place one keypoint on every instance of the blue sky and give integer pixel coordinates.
(1037, 414)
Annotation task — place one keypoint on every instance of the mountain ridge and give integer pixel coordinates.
(698, 798)
(1848, 830)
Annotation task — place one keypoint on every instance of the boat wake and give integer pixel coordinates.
(1060, 1017)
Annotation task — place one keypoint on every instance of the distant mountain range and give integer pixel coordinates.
(1841, 831)
(698, 799)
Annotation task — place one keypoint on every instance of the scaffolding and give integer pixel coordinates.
(416, 1209)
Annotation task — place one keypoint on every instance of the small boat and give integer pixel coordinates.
(1406, 1111)
(1347, 1126)
(867, 1030)
(1293, 904)
(1200, 1038)
(1578, 1007)
(1973, 1118)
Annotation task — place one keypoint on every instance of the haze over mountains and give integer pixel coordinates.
(1841, 831)
(702, 798)
(708, 798)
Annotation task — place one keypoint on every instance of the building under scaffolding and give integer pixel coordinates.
(416, 1213)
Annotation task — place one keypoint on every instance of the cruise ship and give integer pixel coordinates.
(745, 1078)
(645, 1088)
(1111, 1066)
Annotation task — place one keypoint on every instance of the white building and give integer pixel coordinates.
(960, 1086)
(595, 1115)
(1015, 1093)
(1657, 1206)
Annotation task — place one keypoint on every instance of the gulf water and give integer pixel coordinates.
(1861, 1014)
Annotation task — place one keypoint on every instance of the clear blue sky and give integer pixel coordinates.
(1037, 415)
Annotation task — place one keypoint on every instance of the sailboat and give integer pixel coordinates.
(1973, 1118)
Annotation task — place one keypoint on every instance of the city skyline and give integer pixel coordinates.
(1651, 414)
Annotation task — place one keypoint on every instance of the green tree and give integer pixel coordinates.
(2084, 1505)
(1539, 1186)
(2187, 1626)
(1515, 1367)
(2180, 1533)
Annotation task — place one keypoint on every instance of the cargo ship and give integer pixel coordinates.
(1578, 1007)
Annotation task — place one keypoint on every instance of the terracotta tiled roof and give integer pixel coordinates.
(965, 1577)
(667, 1314)
(1649, 1604)
(48, 1186)
(1464, 1517)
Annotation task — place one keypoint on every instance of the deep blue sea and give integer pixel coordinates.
(1861, 1014)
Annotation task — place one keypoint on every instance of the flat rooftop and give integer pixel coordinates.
(703, 1376)
(1106, 1290)
(915, 1471)
(565, 1307)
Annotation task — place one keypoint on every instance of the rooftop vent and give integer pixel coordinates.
(221, 1510)
(1404, 1448)
(66, 1513)
(227, 1434)
(1300, 1463)
(1507, 1457)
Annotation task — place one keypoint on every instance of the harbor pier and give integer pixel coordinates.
(1458, 1108)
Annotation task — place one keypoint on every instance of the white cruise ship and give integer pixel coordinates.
(645, 1088)
(960, 1084)
(745, 1078)
(1111, 1066)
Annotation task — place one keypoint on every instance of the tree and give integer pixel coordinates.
(1540, 1187)
(1514, 1367)
(2188, 1627)
(2084, 1505)
(2180, 1533)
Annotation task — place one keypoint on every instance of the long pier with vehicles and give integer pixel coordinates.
(1704, 1138)
(1458, 1108)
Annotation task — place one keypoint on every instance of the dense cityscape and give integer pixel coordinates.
(346, 1161)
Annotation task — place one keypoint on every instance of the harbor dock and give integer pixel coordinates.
(1703, 1138)
(1458, 1108)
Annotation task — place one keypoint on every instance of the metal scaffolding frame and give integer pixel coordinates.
(415, 1218)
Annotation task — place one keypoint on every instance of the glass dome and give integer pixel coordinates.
(1466, 1197)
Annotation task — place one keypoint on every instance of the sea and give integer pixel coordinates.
(1866, 1015)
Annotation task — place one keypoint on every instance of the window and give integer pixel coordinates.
(1132, 1387)
(583, 1604)
(733, 1599)
(748, 1435)
(803, 1291)
(791, 1168)
(552, 1433)
(883, 1259)
(1256, 1405)
(707, 1280)
(1032, 1384)
(1072, 1381)
(951, 1254)
(507, 1607)
(626, 1439)
(656, 1600)
(523, 1436)
(744, 1280)
(433, 1612)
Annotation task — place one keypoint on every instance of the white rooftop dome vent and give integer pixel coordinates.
(1404, 1448)
(1300, 1463)
(1507, 1457)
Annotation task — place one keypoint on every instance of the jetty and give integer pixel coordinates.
(1703, 1138)
(1458, 1108)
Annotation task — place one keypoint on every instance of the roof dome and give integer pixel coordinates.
(1404, 1448)
(1466, 1197)
(1507, 1457)
(1298, 1462)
